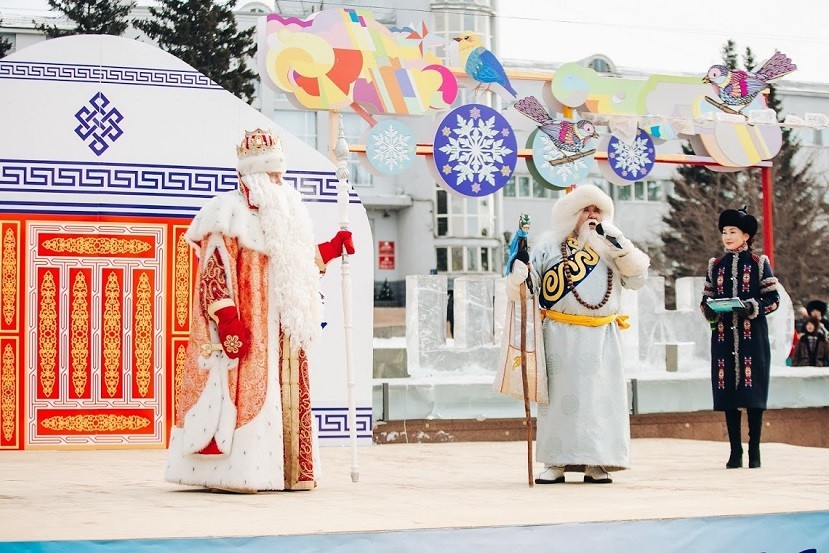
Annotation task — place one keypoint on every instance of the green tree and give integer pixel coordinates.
(5, 45)
(203, 33)
(91, 17)
(800, 216)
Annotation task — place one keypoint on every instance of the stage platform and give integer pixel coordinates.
(424, 497)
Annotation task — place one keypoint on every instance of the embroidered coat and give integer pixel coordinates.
(740, 348)
(246, 425)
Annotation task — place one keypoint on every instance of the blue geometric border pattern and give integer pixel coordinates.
(110, 74)
(332, 422)
(182, 188)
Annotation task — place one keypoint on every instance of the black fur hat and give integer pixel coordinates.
(738, 218)
(816, 305)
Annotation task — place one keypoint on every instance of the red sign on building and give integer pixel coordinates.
(385, 255)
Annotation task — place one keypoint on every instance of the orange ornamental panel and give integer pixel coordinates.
(112, 339)
(10, 264)
(143, 331)
(96, 245)
(9, 393)
(80, 284)
(69, 422)
(48, 345)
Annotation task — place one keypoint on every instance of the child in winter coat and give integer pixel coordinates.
(812, 347)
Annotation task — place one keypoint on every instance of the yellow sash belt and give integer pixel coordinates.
(585, 320)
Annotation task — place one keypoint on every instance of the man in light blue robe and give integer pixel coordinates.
(585, 427)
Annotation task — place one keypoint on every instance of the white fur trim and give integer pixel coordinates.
(213, 408)
(272, 162)
(755, 308)
(571, 205)
(228, 214)
(254, 461)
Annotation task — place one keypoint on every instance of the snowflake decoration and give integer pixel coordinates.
(480, 155)
(390, 147)
(552, 167)
(633, 161)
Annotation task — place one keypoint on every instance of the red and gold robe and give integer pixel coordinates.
(242, 425)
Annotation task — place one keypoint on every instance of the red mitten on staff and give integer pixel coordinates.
(232, 332)
(334, 248)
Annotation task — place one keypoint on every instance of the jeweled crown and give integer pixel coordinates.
(260, 152)
(255, 143)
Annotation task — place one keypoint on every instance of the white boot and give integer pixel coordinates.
(596, 475)
(551, 475)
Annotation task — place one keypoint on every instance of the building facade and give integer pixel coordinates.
(417, 226)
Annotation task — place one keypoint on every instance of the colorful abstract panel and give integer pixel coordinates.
(343, 56)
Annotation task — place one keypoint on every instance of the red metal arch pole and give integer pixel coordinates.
(768, 213)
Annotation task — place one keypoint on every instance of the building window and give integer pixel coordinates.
(451, 23)
(526, 187)
(641, 191)
(301, 124)
(463, 217)
(463, 259)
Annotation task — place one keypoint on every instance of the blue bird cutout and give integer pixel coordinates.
(480, 64)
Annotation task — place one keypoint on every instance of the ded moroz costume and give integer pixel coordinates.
(581, 265)
(244, 419)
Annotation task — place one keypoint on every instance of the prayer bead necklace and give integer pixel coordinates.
(569, 282)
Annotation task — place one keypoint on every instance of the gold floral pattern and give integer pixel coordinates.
(90, 424)
(178, 377)
(181, 285)
(79, 333)
(48, 333)
(8, 397)
(143, 334)
(8, 267)
(111, 334)
(232, 344)
(96, 245)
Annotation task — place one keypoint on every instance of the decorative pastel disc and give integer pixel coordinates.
(554, 168)
(390, 148)
(475, 151)
(634, 161)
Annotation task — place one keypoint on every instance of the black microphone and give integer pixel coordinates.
(610, 239)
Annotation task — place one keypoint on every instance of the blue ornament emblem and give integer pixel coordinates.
(634, 161)
(475, 151)
(390, 147)
(98, 124)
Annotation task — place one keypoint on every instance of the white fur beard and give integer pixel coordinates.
(588, 236)
(291, 251)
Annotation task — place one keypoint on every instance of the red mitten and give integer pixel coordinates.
(334, 248)
(232, 332)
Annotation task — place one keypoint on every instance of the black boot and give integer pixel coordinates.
(755, 427)
(732, 423)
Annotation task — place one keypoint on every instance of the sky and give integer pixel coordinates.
(654, 36)
(667, 36)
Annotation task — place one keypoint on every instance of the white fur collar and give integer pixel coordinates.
(228, 214)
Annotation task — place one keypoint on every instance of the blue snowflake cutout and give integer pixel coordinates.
(634, 161)
(475, 151)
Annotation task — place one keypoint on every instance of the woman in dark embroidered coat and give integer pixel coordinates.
(740, 349)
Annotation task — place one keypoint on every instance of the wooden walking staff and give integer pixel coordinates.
(524, 221)
(343, 190)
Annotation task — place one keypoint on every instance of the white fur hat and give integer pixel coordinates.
(260, 152)
(571, 205)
